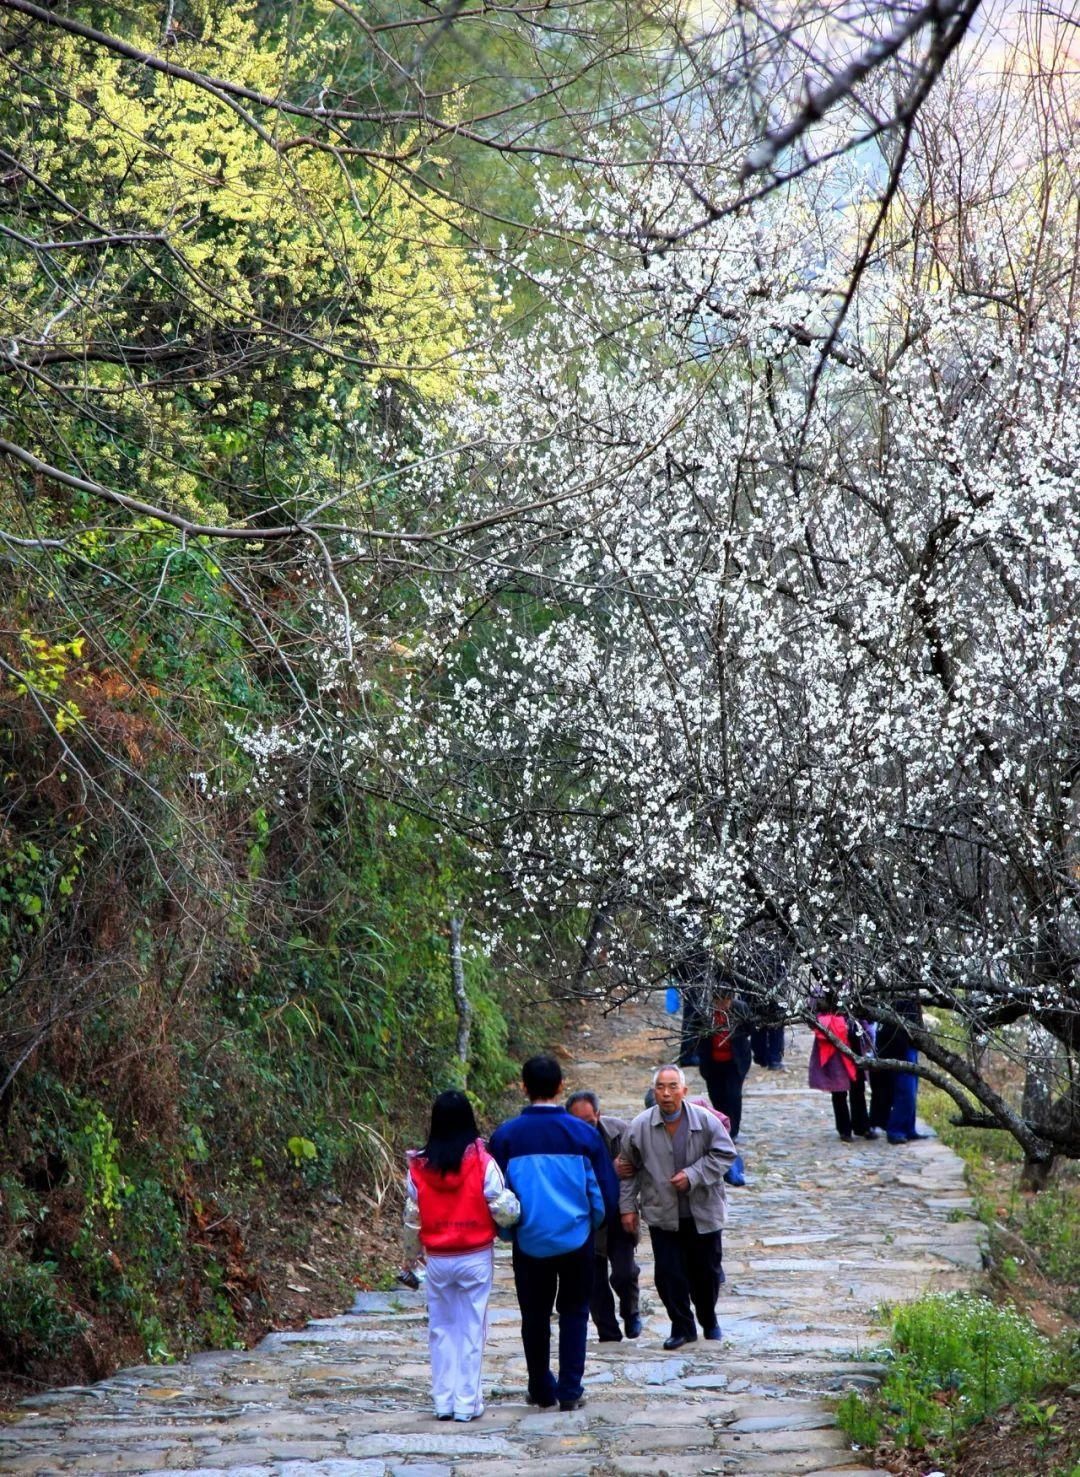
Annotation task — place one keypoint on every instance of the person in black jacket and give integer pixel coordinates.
(615, 1272)
(695, 975)
(723, 1052)
(893, 1095)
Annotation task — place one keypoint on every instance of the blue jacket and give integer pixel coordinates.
(562, 1174)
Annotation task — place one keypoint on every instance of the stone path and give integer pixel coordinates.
(823, 1234)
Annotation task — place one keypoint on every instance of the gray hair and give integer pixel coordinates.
(584, 1096)
(670, 1067)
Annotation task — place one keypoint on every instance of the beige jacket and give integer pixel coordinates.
(649, 1149)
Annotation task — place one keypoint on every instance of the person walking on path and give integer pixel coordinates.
(724, 1054)
(736, 1171)
(455, 1197)
(832, 1072)
(616, 1270)
(762, 964)
(678, 1154)
(562, 1174)
(894, 1094)
(767, 1047)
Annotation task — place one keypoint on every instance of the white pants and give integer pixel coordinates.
(458, 1289)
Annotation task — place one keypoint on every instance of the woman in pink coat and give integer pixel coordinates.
(833, 1072)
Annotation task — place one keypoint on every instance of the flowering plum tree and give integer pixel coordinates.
(776, 646)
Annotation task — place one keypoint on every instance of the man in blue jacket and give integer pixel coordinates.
(560, 1171)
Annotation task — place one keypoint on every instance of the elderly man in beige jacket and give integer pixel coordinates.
(674, 1159)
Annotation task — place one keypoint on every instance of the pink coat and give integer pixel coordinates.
(703, 1102)
(830, 1070)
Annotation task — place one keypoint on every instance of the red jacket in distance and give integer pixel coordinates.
(454, 1214)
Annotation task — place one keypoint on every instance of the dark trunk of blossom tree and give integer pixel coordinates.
(461, 1000)
(1041, 1063)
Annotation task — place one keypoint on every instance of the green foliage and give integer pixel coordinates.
(96, 1147)
(859, 1419)
(37, 877)
(988, 1354)
(976, 1146)
(218, 1324)
(35, 1321)
(301, 1151)
(490, 1068)
(243, 962)
(1050, 1223)
(956, 1358)
(299, 285)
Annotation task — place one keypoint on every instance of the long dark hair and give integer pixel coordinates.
(453, 1129)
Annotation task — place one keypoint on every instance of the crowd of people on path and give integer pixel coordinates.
(721, 1036)
(838, 1039)
(571, 1186)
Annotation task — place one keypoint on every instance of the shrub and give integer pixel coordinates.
(859, 1420)
(988, 1354)
(956, 1358)
(490, 1068)
(1050, 1223)
(34, 1321)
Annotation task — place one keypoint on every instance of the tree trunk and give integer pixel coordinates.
(1040, 1064)
(598, 926)
(461, 1001)
(1041, 1068)
(1037, 1173)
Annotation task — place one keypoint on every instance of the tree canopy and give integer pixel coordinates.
(599, 474)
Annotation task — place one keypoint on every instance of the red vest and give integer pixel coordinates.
(454, 1215)
(720, 1048)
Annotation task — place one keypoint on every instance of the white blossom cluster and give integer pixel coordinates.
(766, 641)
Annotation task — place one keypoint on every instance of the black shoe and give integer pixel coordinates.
(846, 1138)
(871, 1133)
(449, 1416)
(913, 1136)
(715, 1332)
(677, 1340)
(609, 1338)
(542, 1404)
(572, 1404)
(632, 1324)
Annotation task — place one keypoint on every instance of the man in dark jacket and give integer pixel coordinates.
(616, 1269)
(562, 1175)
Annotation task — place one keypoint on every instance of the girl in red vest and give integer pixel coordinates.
(455, 1197)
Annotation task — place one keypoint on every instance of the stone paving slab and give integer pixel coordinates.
(822, 1237)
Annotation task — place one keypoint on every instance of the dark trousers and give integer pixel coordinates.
(723, 1082)
(881, 1096)
(565, 1283)
(767, 1044)
(687, 1270)
(623, 1282)
(854, 1118)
